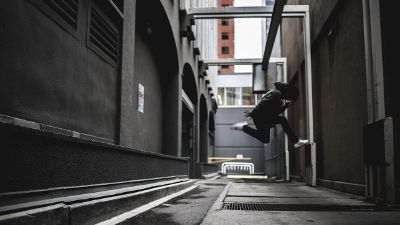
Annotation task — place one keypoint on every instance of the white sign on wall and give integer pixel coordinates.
(239, 156)
(141, 98)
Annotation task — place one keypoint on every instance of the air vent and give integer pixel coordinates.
(298, 207)
(103, 34)
(66, 9)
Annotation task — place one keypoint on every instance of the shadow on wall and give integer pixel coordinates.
(156, 68)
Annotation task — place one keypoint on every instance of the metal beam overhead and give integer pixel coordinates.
(217, 62)
(231, 61)
(279, 11)
(273, 30)
(245, 12)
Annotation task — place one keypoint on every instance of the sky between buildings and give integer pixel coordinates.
(248, 36)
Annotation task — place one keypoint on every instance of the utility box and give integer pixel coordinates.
(379, 160)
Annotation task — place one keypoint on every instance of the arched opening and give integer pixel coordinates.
(189, 102)
(211, 135)
(203, 129)
(156, 69)
(189, 83)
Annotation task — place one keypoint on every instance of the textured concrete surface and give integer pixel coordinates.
(297, 218)
(293, 193)
(188, 209)
(339, 89)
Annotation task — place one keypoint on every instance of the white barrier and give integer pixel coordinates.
(240, 166)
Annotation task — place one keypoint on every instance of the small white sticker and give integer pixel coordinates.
(141, 98)
(239, 156)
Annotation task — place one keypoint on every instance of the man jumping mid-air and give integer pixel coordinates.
(267, 112)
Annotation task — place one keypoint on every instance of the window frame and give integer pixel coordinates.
(51, 14)
(225, 52)
(92, 46)
(225, 21)
(225, 99)
(225, 36)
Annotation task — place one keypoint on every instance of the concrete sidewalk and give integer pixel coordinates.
(294, 203)
(188, 209)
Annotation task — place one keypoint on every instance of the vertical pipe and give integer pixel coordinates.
(286, 143)
(309, 96)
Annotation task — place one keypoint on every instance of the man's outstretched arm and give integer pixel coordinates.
(248, 113)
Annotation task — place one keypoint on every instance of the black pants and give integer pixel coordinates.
(262, 131)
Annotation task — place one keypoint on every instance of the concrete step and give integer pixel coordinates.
(96, 208)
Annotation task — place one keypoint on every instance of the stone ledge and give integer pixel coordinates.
(93, 211)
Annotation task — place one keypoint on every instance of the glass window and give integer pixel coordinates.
(221, 96)
(233, 96)
(247, 96)
(224, 36)
(225, 22)
(225, 50)
(236, 96)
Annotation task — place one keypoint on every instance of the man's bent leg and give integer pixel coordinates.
(262, 134)
(288, 130)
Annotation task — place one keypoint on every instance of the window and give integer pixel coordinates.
(225, 66)
(233, 96)
(247, 96)
(236, 96)
(104, 31)
(225, 22)
(225, 50)
(119, 4)
(225, 5)
(67, 10)
(221, 96)
(63, 12)
(224, 36)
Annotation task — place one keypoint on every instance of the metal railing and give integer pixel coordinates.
(239, 166)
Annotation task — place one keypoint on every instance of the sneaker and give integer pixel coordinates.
(239, 126)
(300, 143)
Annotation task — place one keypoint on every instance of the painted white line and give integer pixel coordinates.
(127, 215)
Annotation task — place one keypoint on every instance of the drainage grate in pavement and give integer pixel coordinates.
(264, 206)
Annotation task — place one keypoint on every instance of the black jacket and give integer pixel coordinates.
(269, 107)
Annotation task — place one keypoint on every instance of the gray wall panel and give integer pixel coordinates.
(229, 142)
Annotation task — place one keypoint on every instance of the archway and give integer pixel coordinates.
(156, 69)
(189, 102)
(211, 135)
(203, 129)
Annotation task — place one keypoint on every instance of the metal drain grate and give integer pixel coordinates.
(263, 206)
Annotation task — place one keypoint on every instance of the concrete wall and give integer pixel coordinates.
(147, 73)
(340, 99)
(34, 160)
(389, 45)
(50, 76)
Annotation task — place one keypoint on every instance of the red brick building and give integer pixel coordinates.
(225, 38)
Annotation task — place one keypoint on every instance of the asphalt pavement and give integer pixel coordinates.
(246, 202)
(188, 209)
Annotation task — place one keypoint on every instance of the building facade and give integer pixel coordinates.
(356, 123)
(98, 95)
